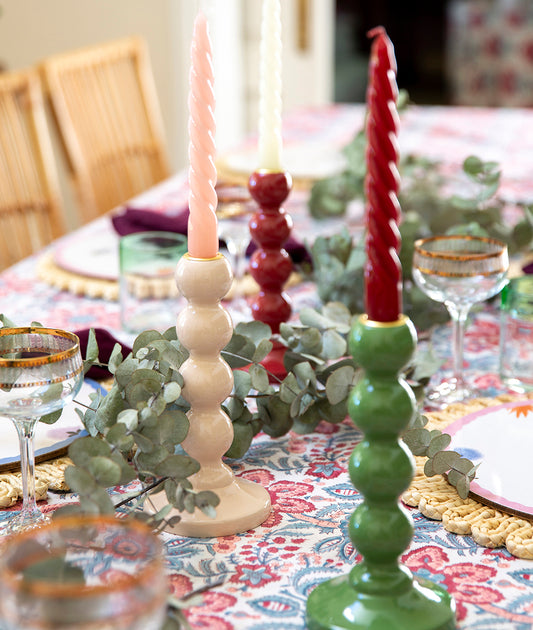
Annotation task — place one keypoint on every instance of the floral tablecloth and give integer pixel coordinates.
(266, 574)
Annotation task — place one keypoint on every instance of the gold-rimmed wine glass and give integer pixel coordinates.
(41, 369)
(458, 270)
(84, 573)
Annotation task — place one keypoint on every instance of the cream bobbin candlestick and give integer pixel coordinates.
(204, 327)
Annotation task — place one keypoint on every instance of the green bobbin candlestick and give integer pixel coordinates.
(379, 593)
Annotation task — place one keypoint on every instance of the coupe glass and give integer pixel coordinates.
(458, 271)
(41, 370)
(234, 211)
(83, 573)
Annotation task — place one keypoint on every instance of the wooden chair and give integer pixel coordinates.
(105, 105)
(31, 213)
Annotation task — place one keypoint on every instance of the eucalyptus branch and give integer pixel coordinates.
(432, 444)
(141, 493)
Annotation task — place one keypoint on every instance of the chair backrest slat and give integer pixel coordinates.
(31, 212)
(107, 112)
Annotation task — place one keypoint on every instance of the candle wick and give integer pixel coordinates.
(374, 32)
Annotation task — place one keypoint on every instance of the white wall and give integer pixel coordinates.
(33, 29)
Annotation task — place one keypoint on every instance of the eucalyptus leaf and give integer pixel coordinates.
(171, 353)
(438, 443)
(97, 502)
(462, 487)
(115, 358)
(305, 374)
(108, 409)
(145, 444)
(171, 392)
(259, 377)
(53, 569)
(177, 467)
(239, 351)
(339, 384)
(51, 418)
(91, 353)
(173, 426)
(79, 480)
(289, 388)
(105, 471)
(263, 348)
(144, 339)
(242, 383)
(255, 331)
(444, 460)
(147, 461)
(6, 322)
(242, 439)
(276, 416)
(83, 449)
(117, 436)
(125, 371)
(334, 345)
(129, 418)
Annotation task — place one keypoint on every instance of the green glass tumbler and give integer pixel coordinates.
(149, 297)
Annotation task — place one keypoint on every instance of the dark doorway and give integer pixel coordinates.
(418, 31)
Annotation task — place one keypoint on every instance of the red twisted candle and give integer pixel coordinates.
(383, 272)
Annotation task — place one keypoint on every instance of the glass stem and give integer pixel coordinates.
(459, 316)
(26, 430)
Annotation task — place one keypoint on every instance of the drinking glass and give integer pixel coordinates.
(234, 211)
(83, 573)
(149, 298)
(41, 370)
(458, 271)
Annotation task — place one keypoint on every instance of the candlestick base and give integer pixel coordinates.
(379, 593)
(336, 605)
(243, 506)
(204, 327)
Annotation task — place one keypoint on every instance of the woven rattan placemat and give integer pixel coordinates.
(437, 499)
(51, 273)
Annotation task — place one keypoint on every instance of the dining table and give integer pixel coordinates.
(261, 579)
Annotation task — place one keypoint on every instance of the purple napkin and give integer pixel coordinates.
(528, 268)
(141, 220)
(106, 343)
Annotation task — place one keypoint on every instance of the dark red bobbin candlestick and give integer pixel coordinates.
(270, 264)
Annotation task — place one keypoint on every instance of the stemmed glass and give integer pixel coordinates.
(84, 573)
(233, 213)
(41, 370)
(458, 271)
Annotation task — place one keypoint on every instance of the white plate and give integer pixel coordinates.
(91, 254)
(501, 438)
(49, 438)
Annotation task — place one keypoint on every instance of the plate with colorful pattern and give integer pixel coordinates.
(499, 439)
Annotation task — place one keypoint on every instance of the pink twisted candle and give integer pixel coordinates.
(383, 272)
(202, 229)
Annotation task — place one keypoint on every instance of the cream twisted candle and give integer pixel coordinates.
(202, 229)
(270, 87)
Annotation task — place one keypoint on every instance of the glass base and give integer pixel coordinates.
(336, 605)
(449, 392)
(24, 521)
